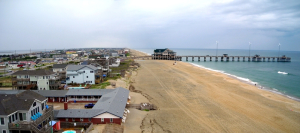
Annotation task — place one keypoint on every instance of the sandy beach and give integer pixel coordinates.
(192, 99)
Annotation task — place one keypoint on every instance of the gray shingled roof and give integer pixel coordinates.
(113, 102)
(21, 101)
(34, 72)
(78, 67)
(11, 91)
(60, 65)
(52, 93)
(90, 92)
(78, 113)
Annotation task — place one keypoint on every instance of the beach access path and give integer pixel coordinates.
(192, 99)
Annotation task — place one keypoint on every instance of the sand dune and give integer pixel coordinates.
(191, 99)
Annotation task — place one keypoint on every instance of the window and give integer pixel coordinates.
(111, 120)
(42, 106)
(24, 116)
(9, 119)
(73, 76)
(34, 104)
(43, 77)
(81, 119)
(73, 119)
(90, 119)
(13, 118)
(3, 131)
(20, 116)
(102, 119)
(38, 109)
(83, 71)
(92, 71)
(67, 119)
(2, 121)
(47, 82)
(16, 115)
(87, 76)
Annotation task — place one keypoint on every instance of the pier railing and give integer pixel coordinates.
(255, 58)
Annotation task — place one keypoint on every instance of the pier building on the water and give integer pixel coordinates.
(164, 54)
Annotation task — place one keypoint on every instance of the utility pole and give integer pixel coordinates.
(249, 48)
(217, 49)
(279, 50)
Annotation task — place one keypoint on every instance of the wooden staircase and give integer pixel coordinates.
(28, 87)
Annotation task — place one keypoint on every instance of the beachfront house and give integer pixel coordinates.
(36, 80)
(81, 74)
(110, 108)
(24, 112)
(163, 54)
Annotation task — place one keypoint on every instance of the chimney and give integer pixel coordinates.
(65, 105)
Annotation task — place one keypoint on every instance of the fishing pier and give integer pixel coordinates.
(225, 57)
(167, 54)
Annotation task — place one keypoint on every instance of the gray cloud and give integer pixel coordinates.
(149, 24)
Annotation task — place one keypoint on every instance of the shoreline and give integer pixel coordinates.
(250, 82)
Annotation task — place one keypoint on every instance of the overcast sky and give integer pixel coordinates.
(41, 24)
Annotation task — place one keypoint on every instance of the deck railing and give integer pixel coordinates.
(32, 125)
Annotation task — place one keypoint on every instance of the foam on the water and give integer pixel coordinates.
(249, 82)
(282, 72)
(231, 75)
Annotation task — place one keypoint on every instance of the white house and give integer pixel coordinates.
(59, 67)
(13, 65)
(81, 74)
(35, 79)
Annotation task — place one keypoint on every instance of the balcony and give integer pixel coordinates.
(83, 99)
(62, 72)
(20, 79)
(33, 125)
(55, 84)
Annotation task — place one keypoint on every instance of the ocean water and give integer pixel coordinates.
(279, 77)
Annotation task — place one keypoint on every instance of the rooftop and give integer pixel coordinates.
(113, 102)
(78, 67)
(34, 72)
(60, 65)
(18, 101)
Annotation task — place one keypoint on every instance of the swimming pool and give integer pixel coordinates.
(75, 87)
(69, 131)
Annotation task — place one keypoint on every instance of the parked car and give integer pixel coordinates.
(9, 71)
(90, 105)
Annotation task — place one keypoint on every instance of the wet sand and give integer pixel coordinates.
(192, 99)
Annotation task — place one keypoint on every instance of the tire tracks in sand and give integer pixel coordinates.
(189, 113)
